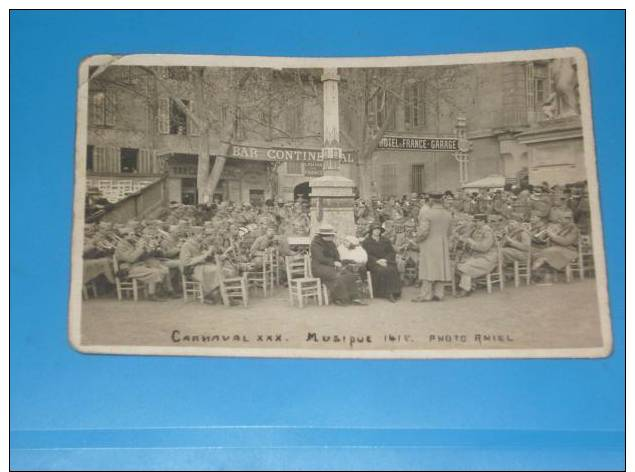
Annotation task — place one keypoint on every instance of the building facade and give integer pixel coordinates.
(145, 124)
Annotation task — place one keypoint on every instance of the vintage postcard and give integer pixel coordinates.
(393, 207)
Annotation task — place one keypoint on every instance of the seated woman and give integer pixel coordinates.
(382, 265)
(326, 264)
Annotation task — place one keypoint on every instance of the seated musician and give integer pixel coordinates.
(516, 242)
(480, 256)
(197, 262)
(561, 249)
(133, 253)
(261, 244)
(326, 265)
(382, 265)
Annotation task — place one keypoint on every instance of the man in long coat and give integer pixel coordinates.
(434, 250)
(326, 265)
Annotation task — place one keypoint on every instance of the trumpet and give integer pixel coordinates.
(541, 236)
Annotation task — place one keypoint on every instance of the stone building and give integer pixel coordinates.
(146, 124)
(514, 128)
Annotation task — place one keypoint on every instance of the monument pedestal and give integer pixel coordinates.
(332, 203)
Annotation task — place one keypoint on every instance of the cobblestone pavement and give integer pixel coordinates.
(554, 316)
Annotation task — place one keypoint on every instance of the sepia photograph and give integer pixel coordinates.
(393, 207)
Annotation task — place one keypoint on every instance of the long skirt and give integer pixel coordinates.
(386, 280)
(342, 286)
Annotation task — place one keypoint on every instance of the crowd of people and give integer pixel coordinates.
(427, 240)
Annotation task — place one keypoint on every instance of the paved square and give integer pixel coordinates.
(555, 316)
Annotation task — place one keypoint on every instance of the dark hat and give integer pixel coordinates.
(435, 196)
(376, 226)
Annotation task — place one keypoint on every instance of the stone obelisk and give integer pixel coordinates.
(332, 194)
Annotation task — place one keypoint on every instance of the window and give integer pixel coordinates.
(294, 119)
(256, 197)
(381, 109)
(418, 179)
(414, 105)
(240, 131)
(388, 179)
(294, 167)
(178, 118)
(188, 191)
(102, 108)
(90, 152)
(129, 160)
(537, 85)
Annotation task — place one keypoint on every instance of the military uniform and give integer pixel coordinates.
(481, 257)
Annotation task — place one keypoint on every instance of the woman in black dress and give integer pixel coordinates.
(382, 265)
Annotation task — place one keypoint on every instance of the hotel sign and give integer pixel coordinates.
(422, 143)
(283, 154)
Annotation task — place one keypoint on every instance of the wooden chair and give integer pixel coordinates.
(452, 282)
(497, 276)
(301, 285)
(584, 262)
(368, 290)
(275, 267)
(87, 288)
(523, 270)
(232, 288)
(263, 278)
(190, 287)
(124, 284)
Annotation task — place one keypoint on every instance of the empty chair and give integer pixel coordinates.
(302, 287)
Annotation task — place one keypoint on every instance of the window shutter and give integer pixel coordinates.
(421, 104)
(113, 160)
(145, 163)
(163, 116)
(408, 106)
(531, 98)
(110, 108)
(97, 100)
(192, 127)
(391, 110)
(99, 159)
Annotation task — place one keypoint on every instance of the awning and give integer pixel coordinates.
(491, 181)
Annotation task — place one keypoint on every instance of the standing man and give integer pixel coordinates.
(434, 250)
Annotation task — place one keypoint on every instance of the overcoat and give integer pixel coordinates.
(434, 248)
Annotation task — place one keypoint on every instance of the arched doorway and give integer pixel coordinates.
(301, 190)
